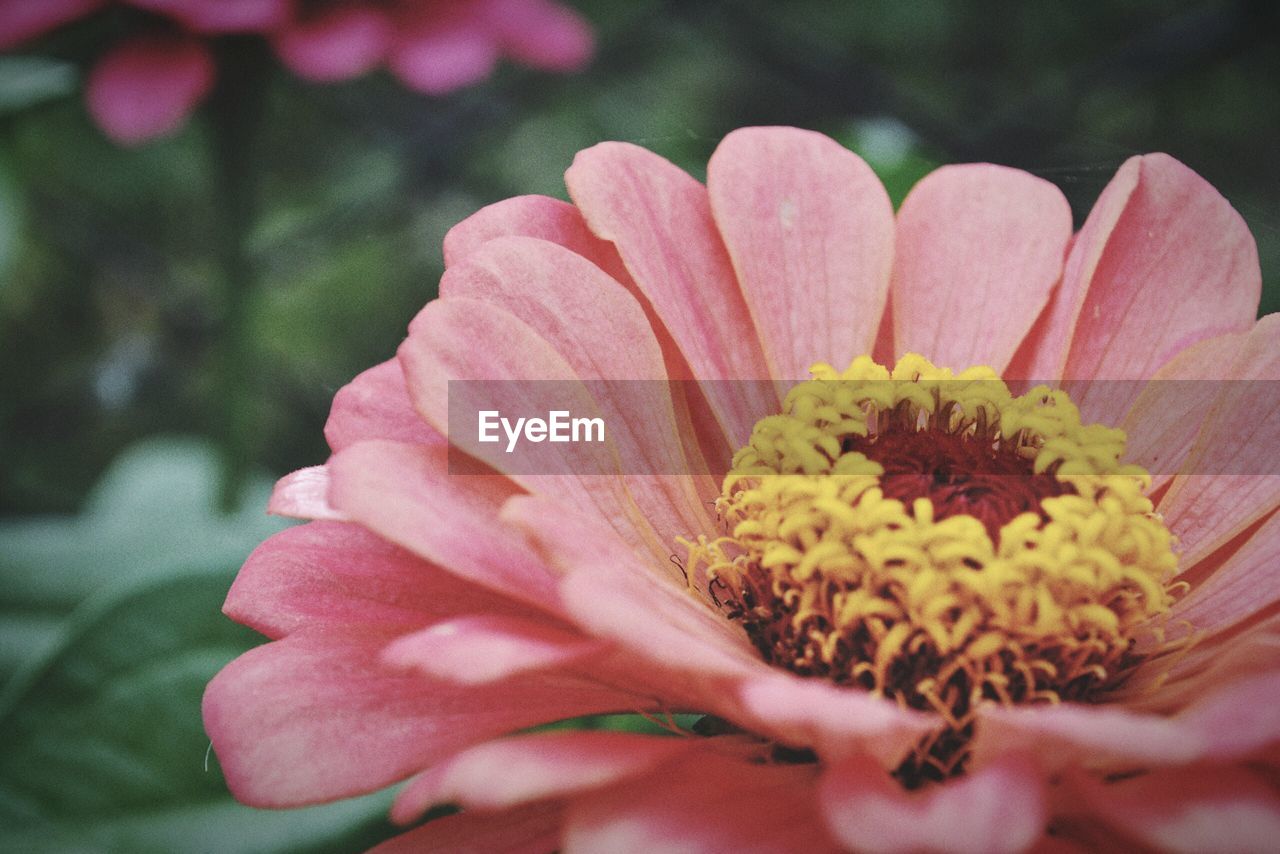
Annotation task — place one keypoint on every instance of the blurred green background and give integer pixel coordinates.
(122, 408)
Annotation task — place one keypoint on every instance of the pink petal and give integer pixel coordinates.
(439, 48)
(336, 43)
(529, 830)
(315, 717)
(465, 339)
(1213, 665)
(1193, 809)
(561, 223)
(660, 220)
(223, 16)
(333, 575)
(1163, 422)
(998, 808)
(515, 771)
(541, 34)
(705, 803)
(601, 331)
(1229, 723)
(836, 721)
(1163, 261)
(1243, 586)
(1238, 720)
(146, 87)
(23, 20)
(304, 494)
(1232, 464)
(406, 494)
(979, 249)
(610, 593)
(376, 405)
(477, 649)
(810, 231)
(533, 216)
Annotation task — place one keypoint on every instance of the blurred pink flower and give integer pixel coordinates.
(428, 615)
(148, 85)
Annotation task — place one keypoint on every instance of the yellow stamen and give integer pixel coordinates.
(941, 606)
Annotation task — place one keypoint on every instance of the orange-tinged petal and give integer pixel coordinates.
(979, 249)
(533, 829)
(810, 230)
(476, 649)
(376, 405)
(317, 717)
(304, 494)
(1231, 479)
(504, 774)
(707, 803)
(998, 808)
(332, 576)
(1162, 261)
(406, 494)
(1191, 809)
(660, 220)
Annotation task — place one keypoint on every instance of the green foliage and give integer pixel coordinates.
(103, 746)
(112, 621)
(114, 307)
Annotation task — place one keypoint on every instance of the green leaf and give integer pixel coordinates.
(154, 509)
(103, 745)
(29, 80)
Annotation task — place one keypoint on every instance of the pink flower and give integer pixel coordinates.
(877, 674)
(148, 85)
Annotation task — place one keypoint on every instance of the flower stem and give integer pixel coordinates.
(235, 112)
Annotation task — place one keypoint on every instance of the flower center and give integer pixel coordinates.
(935, 539)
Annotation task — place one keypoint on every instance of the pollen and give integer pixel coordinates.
(940, 541)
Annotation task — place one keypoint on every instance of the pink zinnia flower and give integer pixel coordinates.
(886, 663)
(147, 85)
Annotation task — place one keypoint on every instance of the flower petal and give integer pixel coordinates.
(335, 575)
(1231, 723)
(500, 775)
(1213, 665)
(22, 20)
(611, 594)
(835, 721)
(145, 87)
(533, 216)
(602, 333)
(376, 405)
(336, 43)
(529, 830)
(660, 220)
(1192, 809)
(706, 803)
(998, 808)
(476, 649)
(315, 717)
(466, 339)
(406, 494)
(1162, 261)
(442, 47)
(304, 494)
(979, 249)
(1162, 424)
(1243, 586)
(223, 16)
(1232, 480)
(810, 230)
(560, 223)
(541, 34)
